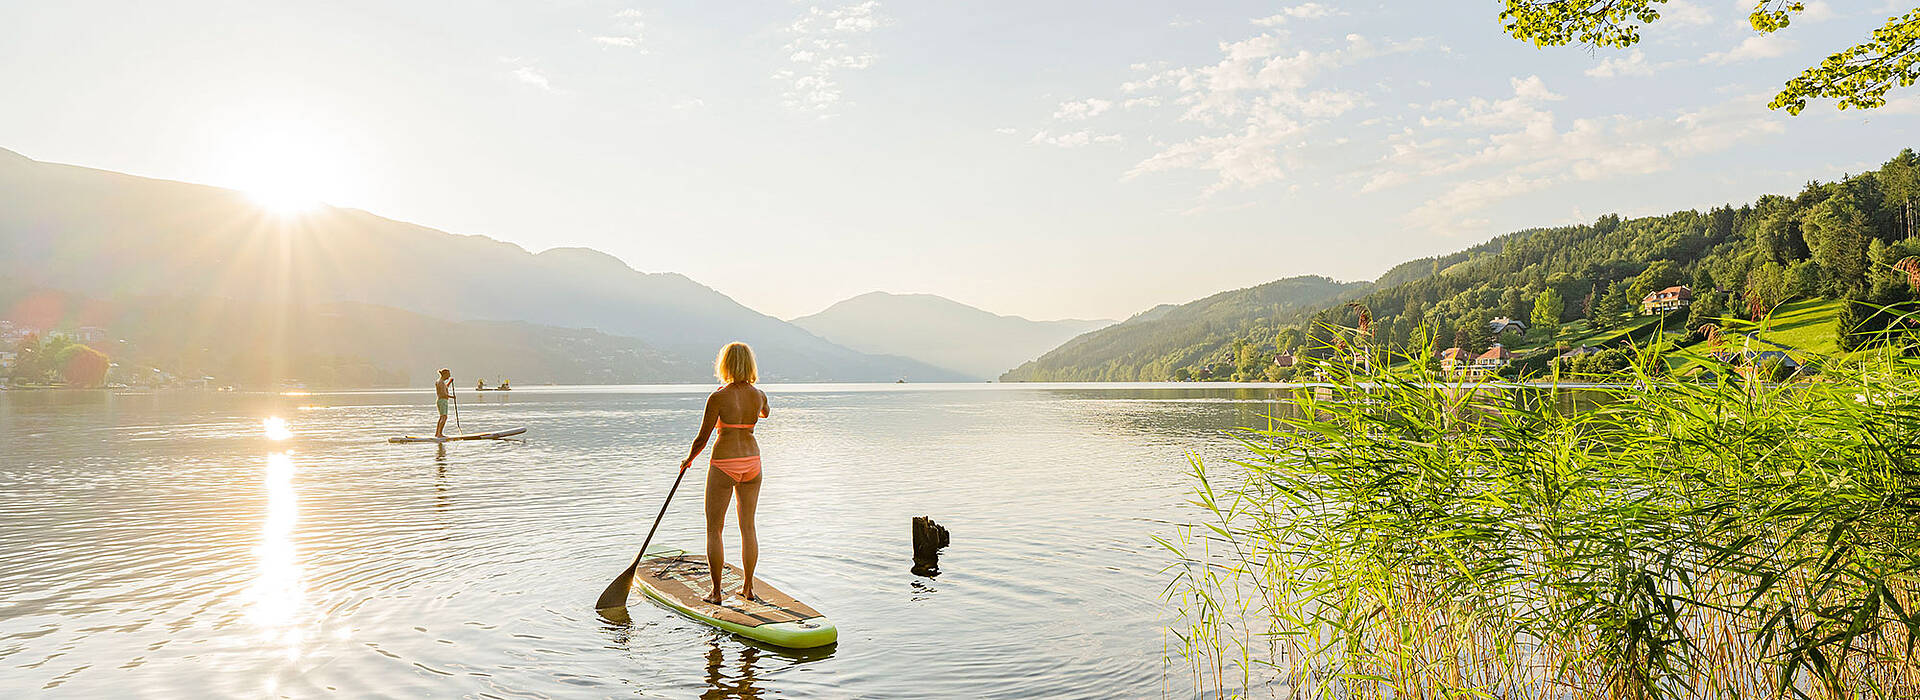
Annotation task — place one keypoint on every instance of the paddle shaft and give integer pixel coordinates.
(456, 409)
(616, 594)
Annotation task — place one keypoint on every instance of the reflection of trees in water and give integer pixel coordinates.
(1158, 413)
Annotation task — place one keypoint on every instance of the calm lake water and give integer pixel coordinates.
(185, 545)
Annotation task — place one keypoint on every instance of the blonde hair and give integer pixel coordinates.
(735, 364)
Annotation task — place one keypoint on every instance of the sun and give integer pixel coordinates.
(286, 166)
(284, 198)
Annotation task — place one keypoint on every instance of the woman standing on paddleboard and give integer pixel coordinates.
(734, 408)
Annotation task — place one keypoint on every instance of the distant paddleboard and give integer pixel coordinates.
(495, 435)
(678, 580)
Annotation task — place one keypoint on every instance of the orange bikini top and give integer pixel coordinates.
(724, 424)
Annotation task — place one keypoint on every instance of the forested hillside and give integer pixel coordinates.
(1154, 344)
(1849, 241)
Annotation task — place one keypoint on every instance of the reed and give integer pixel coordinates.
(1399, 536)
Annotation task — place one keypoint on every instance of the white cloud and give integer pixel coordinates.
(1527, 150)
(1073, 139)
(823, 47)
(1753, 48)
(1682, 13)
(1635, 63)
(1258, 105)
(1081, 109)
(1311, 10)
(630, 31)
(689, 104)
(527, 74)
(1817, 11)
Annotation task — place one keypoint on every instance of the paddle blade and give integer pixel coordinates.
(616, 594)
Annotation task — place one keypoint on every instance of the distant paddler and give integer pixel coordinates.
(480, 386)
(443, 397)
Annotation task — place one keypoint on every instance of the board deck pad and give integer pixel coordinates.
(684, 578)
(495, 435)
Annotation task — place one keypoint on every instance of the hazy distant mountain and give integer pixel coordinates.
(940, 332)
(117, 236)
(250, 344)
(1147, 345)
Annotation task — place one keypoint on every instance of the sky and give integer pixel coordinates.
(1068, 159)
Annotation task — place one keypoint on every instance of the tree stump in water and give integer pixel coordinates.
(928, 538)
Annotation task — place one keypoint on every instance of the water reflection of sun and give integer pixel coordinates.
(277, 594)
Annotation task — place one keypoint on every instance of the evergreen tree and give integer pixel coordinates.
(1546, 313)
(1619, 299)
(1848, 326)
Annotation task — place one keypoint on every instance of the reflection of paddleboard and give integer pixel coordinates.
(495, 435)
(678, 580)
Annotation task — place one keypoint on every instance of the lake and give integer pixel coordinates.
(181, 544)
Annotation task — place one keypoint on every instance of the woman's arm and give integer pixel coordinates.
(706, 430)
(764, 410)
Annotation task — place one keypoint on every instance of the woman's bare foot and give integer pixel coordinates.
(713, 597)
(746, 591)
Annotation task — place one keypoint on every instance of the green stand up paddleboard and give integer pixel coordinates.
(678, 580)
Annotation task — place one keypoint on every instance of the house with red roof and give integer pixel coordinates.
(1667, 300)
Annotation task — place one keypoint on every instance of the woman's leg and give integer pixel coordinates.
(749, 494)
(719, 491)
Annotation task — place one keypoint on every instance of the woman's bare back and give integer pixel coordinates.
(733, 405)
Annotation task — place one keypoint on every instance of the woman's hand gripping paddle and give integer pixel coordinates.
(616, 594)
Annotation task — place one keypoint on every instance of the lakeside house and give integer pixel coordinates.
(1491, 361)
(1284, 360)
(1748, 363)
(1667, 300)
(1455, 359)
(1507, 325)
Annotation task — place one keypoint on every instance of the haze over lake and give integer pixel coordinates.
(168, 542)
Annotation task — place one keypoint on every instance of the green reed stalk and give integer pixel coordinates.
(1399, 536)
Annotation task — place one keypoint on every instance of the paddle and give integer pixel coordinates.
(456, 408)
(616, 594)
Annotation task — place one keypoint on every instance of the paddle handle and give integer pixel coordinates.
(616, 593)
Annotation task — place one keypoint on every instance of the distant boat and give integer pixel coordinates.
(899, 381)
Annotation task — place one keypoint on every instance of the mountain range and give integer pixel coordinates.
(941, 332)
(120, 238)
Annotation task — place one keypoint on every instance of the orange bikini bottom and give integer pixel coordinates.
(740, 469)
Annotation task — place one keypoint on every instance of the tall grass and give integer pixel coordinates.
(1399, 536)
